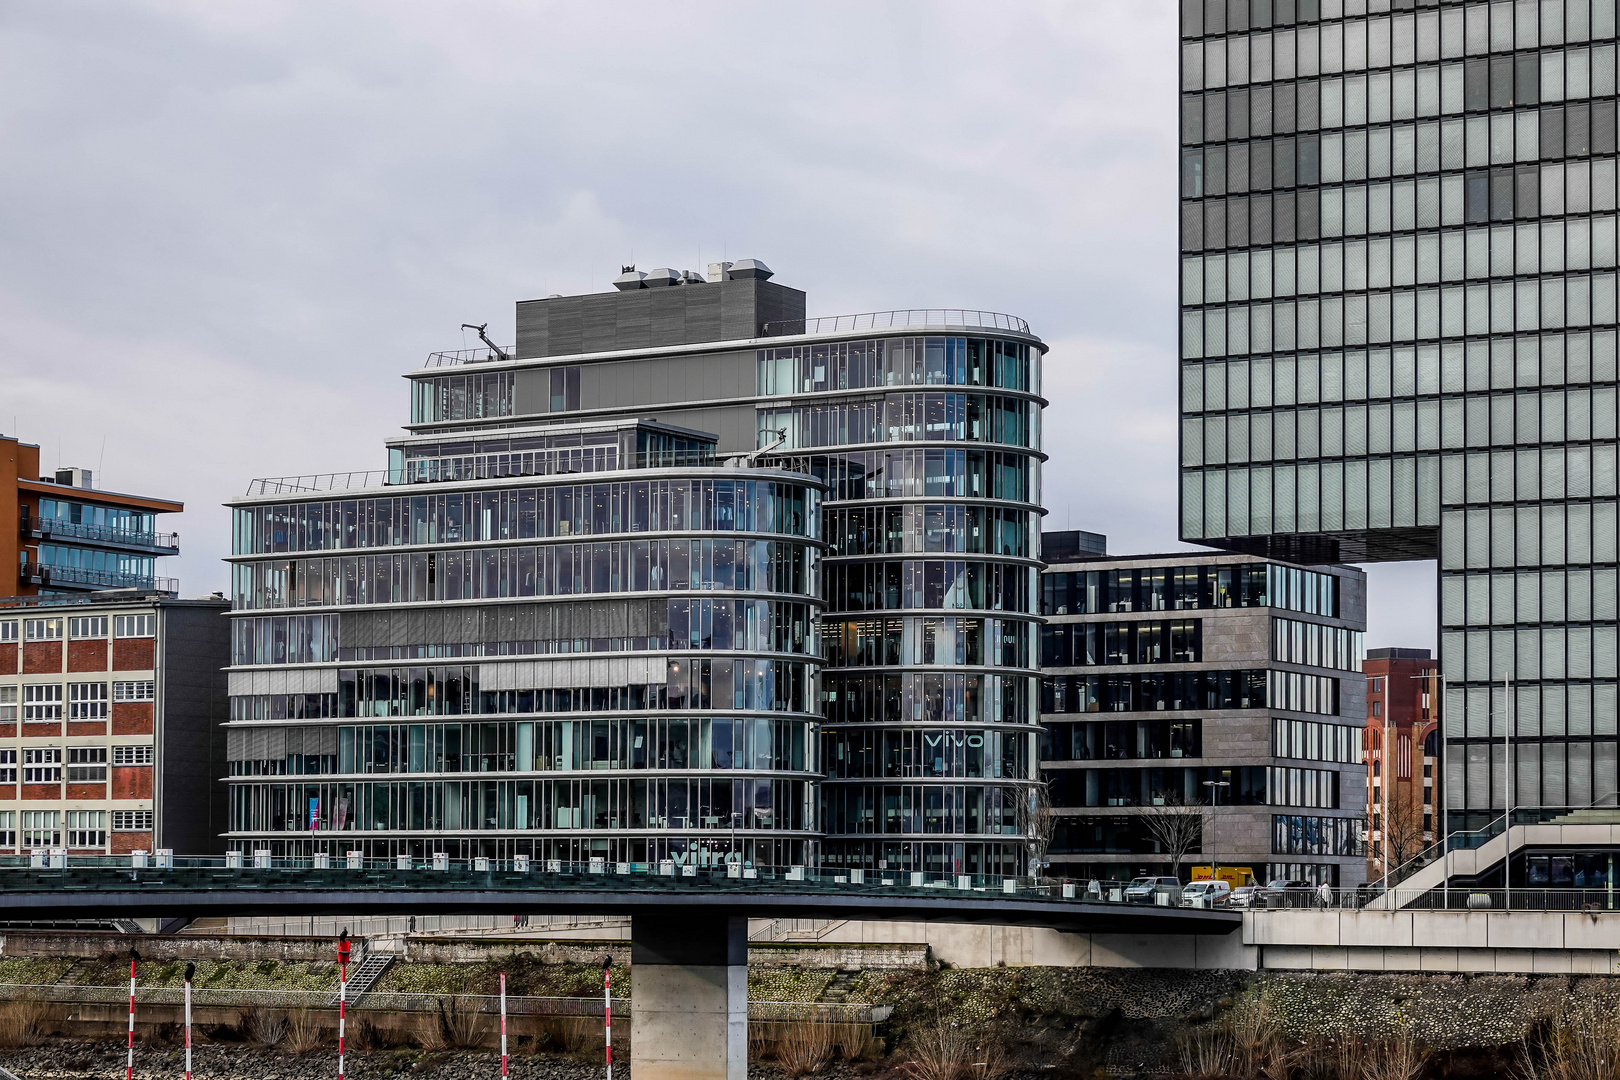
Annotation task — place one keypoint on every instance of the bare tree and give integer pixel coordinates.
(1033, 810)
(1404, 826)
(1175, 828)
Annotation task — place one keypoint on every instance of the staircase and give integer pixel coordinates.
(838, 989)
(366, 974)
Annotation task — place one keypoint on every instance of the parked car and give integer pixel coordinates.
(1280, 892)
(1244, 896)
(1205, 893)
(1141, 890)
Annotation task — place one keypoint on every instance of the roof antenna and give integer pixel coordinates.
(494, 348)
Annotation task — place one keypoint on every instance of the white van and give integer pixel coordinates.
(1204, 894)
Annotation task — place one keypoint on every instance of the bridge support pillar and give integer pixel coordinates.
(689, 1012)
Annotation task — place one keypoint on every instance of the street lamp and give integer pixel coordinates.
(1214, 802)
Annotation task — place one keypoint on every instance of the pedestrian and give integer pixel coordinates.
(1325, 895)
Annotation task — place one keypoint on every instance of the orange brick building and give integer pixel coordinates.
(111, 706)
(1401, 746)
(58, 534)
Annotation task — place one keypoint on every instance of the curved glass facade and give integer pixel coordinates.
(925, 769)
(596, 693)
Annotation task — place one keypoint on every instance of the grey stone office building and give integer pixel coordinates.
(910, 444)
(1164, 673)
(1398, 297)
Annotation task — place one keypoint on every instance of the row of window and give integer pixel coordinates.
(1384, 262)
(893, 585)
(85, 764)
(1313, 834)
(1554, 773)
(527, 513)
(1122, 739)
(913, 697)
(852, 754)
(550, 570)
(1153, 692)
(1550, 535)
(1200, 17)
(479, 805)
(1148, 641)
(1552, 652)
(946, 528)
(1360, 44)
(93, 626)
(754, 625)
(914, 640)
(1478, 421)
(1248, 785)
(900, 809)
(1447, 89)
(1187, 588)
(42, 702)
(930, 474)
(84, 828)
(916, 417)
(1529, 597)
(1308, 740)
(1552, 709)
(1384, 318)
(933, 361)
(1454, 367)
(464, 397)
(1315, 645)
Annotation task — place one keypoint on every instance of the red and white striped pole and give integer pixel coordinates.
(191, 971)
(607, 1010)
(503, 1023)
(129, 1071)
(343, 994)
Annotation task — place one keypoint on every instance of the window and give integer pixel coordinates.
(89, 626)
(132, 755)
(8, 630)
(8, 704)
(132, 821)
(132, 691)
(135, 626)
(43, 629)
(42, 765)
(39, 829)
(8, 766)
(86, 828)
(42, 703)
(87, 764)
(8, 828)
(87, 701)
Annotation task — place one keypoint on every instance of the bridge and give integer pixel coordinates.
(688, 925)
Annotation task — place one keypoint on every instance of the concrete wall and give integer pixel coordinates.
(1466, 941)
(966, 945)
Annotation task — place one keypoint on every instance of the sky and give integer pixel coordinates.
(229, 228)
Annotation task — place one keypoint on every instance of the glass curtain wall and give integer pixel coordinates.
(1398, 234)
(929, 696)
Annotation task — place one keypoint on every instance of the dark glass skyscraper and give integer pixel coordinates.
(1398, 308)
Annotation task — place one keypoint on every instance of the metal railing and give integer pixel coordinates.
(333, 481)
(482, 355)
(46, 527)
(383, 1001)
(50, 573)
(1477, 838)
(1458, 898)
(884, 320)
(53, 870)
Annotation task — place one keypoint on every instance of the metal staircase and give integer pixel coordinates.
(366, 974)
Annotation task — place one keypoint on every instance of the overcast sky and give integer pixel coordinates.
(228, 228)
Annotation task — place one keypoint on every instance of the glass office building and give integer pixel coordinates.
(1398, 255)
(581, 641)
(924, 428)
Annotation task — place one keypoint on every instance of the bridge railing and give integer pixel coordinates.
(1457, 898)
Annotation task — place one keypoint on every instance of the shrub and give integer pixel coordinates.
(263, 1027)
(21, 1023)
(804, 1047)
(304, 1031)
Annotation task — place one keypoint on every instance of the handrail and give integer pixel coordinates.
(882, 320)
(333, 481)
(466, 356)
(80, 575)
(58, 527)
(1461, 840)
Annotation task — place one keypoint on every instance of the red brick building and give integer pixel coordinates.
(1401, 746)
(111, 714)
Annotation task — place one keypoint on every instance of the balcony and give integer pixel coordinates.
(465, 356)
(953, 318)
(438, 470)
(48, 576)
(100, 535)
